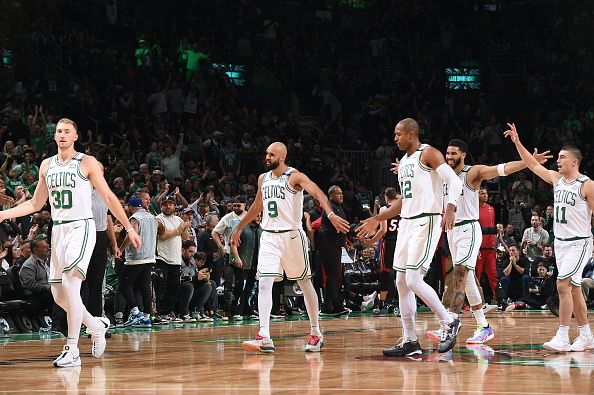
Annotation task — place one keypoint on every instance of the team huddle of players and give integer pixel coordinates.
(435, 193)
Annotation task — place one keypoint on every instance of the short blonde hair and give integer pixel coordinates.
(70, 121)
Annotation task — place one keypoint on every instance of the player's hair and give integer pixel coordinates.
(461, 145)
(575, 151)
(391, 193)
(70, 121)
(187, 244)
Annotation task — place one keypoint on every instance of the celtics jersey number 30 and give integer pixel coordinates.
(69, 191)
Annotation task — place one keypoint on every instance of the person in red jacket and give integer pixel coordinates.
(486, 258)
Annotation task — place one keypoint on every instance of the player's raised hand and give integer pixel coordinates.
(341, 224)
(367, 227)
(512, 133)
(394, 167)
(541, 157)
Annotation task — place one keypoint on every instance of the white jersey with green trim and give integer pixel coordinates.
(69, 191)
(572, 212)
(467, 207)
(421, 187)
(282, 206)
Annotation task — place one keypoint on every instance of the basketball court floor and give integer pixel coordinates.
(208, 358)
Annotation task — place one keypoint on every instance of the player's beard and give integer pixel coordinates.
(272, 165)
(456, 163)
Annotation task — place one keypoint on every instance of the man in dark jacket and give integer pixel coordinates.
(34, 276)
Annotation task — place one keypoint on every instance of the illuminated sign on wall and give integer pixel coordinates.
(463, 78)
(236, 72)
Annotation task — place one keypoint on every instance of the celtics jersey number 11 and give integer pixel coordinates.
(69, 191)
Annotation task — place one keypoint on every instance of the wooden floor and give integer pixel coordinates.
(208, 358)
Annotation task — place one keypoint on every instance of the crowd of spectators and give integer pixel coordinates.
(171, 124)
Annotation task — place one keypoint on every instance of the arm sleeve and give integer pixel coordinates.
(454, 183)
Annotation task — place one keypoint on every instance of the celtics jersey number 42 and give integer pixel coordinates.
(69, 191)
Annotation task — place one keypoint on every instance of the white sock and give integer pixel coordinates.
(134, 310)
(265, 304)
(408, 306)
(310, 297)
(585, 330)
(563, 331)
(415, 282)
(479, 316)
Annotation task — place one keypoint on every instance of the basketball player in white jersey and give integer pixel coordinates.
(573, 203)
(422, 171)
(68, 179)
(466, 236)
(283, 245)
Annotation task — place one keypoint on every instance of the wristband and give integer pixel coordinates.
(129, 230)
(501, 169)
(331, 213)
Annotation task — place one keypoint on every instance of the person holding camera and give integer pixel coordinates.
(534, 239)
(195, 287)
(536, 292)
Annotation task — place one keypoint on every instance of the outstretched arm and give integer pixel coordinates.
(504, 169)
(95, 174)
(301, 180)
(36, 203)
(549, 176)
(434, 159)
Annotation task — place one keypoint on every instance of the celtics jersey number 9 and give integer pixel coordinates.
(282, 206)
(69, 191)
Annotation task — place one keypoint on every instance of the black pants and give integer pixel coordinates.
(238, 285)
(248, 278)
(230, 274)
(212, 302)
(137, 277)
(168, 288)
(193, 296)
(330, 255)
(92, 287)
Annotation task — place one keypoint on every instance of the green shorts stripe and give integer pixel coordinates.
(82, 250)
(467, 257)
(427, 247)
(305, 259)
(577, 267)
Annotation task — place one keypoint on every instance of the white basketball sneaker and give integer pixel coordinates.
(582, 343)
(557, 343)
(70, 357)
(98, 337)
(314, 344)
